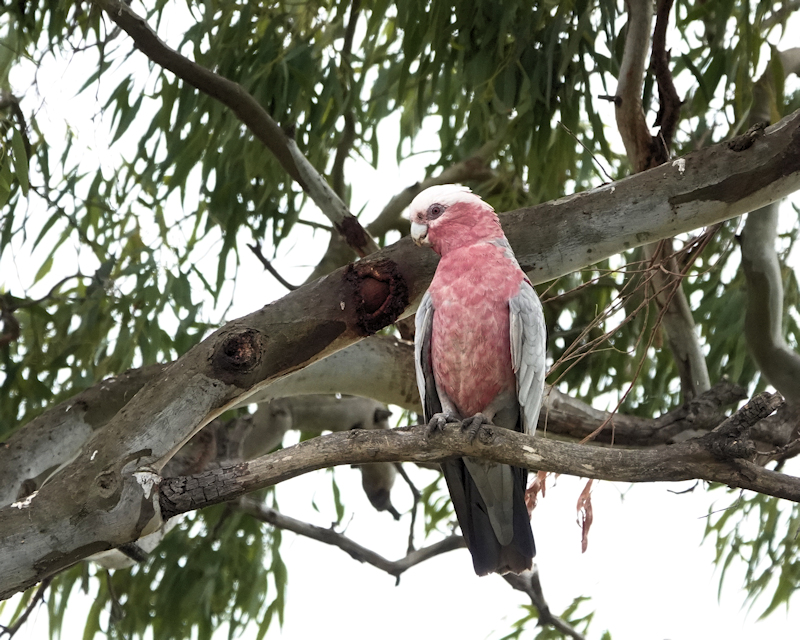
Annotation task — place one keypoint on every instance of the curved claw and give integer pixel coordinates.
(437, 422)
(473, 425)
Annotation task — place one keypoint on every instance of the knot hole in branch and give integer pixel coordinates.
(239, 353)
(379, 293)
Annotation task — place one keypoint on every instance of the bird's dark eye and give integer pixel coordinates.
(435, 210)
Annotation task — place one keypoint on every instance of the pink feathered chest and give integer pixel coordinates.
(470, 345)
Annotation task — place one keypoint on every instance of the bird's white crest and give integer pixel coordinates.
(446, 194)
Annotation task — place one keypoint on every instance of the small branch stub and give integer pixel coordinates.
(731, 440)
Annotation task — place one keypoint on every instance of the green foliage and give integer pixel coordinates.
(759, 532)
(438, 510)
(578, 621)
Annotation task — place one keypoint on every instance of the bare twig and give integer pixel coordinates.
(38, 596)
(358, 552)
(256, 249)
(588, 150)
(417, 497)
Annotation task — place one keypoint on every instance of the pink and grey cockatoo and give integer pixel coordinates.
(480, 358)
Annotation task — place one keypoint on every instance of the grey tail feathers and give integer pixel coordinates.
(488, 555)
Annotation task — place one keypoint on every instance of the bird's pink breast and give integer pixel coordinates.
(471, 351)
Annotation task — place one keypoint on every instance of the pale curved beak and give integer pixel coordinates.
(419, 234)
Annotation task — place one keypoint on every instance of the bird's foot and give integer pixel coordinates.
(438, 420)
(473, 425)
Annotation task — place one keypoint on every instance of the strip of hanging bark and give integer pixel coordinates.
(669, 104)
(585, 514)
(539, 485)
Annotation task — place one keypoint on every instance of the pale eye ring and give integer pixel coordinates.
(435, 210)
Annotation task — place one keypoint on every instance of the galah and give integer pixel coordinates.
(480, 359)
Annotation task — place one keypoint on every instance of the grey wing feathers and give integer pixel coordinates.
(422, 357)
(528, 342)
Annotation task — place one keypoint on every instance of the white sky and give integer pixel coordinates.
(646, 572)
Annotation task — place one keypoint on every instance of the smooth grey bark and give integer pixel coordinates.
(764, 317)
(779, 363)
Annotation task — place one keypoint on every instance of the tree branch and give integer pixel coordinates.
(528, 583)
(251, 113)
(349, 129)
(669, 110)
(645, 151)
(700, 458)
(628, 98)
(762, 270)
(764, 317)
(356, 551)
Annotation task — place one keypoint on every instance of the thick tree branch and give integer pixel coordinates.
(701, 458)
(251, 113)
(358, 552)
(779, 363)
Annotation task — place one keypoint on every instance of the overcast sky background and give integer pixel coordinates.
(646, 572)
